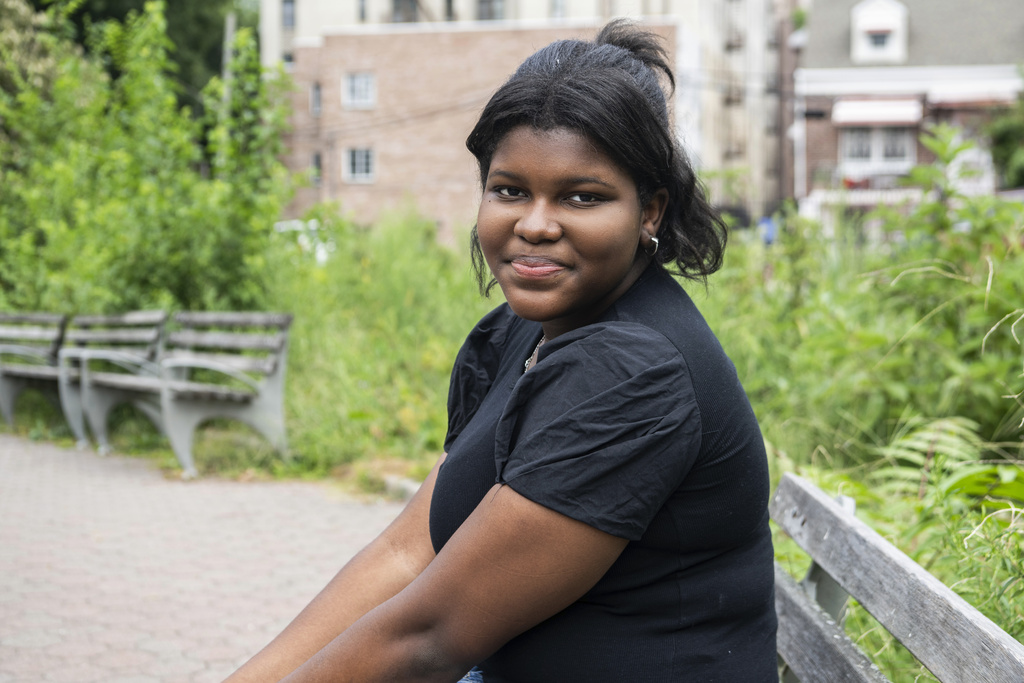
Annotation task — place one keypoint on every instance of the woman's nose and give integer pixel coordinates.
(538, 223)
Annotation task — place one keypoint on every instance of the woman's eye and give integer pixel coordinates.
(584, 198)
(510, 192)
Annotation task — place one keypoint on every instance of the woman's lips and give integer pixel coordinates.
(535, 267)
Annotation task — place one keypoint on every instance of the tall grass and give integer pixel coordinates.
(377, 327)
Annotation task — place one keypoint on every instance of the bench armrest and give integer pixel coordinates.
(129, 361)
(197, 363)
(24, 351)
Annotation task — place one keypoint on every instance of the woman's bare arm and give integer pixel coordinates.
(511, 565)
(378, 572)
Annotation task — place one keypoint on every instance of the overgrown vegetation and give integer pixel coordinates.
(1006, 133)
(891, 371)
(894, 373)
(114, 197)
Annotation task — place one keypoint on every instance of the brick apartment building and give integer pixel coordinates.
(388, 90)
(876, 72)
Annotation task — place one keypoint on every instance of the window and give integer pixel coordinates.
(490, 10)
(358, 164)
(404, 10)
(362, 10)
(316, 169)
(894, 144)
(857, 143)
(557, 9)
(289, 61)
(879, 32)
(288, 13)
(877, 151)
(359, 90)
(879, 39)
(314, 100)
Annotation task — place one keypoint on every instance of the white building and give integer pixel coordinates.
(876, 72)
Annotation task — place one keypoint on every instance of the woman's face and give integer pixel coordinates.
(562, 228)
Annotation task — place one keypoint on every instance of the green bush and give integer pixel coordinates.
(376, 330)
(114, 197)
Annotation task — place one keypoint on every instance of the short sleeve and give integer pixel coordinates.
(603, 429)
(475, 369)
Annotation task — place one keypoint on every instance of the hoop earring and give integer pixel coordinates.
(654, 251)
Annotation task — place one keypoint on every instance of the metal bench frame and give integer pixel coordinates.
(249, 348)
(29, 343)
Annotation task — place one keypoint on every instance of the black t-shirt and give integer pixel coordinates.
(636, 425)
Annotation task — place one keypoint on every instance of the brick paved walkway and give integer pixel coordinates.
(111, 573)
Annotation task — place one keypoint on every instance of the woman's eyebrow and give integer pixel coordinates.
(509, 175)
(572, 180)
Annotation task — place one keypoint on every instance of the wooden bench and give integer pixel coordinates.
(130, 342)
(948, 636)
(213, 364)
(29, 343)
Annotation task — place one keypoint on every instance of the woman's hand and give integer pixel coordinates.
(511, 565)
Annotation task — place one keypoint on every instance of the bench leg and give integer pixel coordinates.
(182, 417)
(98, 404)
(99, 401)
(71, 406)
(10, 387)
(180, 422)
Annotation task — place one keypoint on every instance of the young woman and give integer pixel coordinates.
(600, 514)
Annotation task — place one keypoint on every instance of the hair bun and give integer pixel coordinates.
(642, 44)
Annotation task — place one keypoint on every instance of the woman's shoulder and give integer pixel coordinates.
(618, 341)
(486, 342)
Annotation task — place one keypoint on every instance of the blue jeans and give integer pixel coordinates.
(474, 676)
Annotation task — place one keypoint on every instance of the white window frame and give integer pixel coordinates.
(876, 162)
(359, 165)
(359, 90)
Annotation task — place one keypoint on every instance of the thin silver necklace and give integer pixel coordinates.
(529, 360)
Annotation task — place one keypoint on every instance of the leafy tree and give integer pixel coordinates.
(195, 27)
(108, 202)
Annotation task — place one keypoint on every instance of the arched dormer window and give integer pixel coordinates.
(878, 32)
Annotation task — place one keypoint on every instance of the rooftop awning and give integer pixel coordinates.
(852, 112)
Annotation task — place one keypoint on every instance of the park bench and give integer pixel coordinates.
(29, 343)
(211, 365)
(129, 342)
(947, 635)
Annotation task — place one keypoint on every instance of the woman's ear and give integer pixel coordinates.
(653, 212)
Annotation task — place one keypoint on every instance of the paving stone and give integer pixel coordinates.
(111, 572)
(78, 672)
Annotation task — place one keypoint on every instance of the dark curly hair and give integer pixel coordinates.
(609, 91)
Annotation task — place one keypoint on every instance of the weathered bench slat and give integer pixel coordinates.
(42, 318)
(229, 319)
(263, 365)
(181, 388)
(813, 645)
(950, 637)
(25, 333)
(141, 318)
(123, 336)
(42, 372)
(227, 340)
